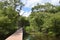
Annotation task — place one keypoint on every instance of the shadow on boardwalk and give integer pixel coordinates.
(18, 35)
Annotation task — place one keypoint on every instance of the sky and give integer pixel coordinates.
(26, 10)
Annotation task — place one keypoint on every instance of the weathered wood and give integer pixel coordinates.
(18, 35)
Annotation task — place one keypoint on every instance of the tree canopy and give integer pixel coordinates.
(8, 18)
(44, 24)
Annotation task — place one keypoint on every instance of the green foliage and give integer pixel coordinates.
(9, 18)
(40, 25)
(8, 21)
(23, 22)
(47, 7)
(44, 25)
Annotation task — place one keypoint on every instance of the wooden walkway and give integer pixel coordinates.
(18, 35)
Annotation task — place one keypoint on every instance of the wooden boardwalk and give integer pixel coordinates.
(18, 35)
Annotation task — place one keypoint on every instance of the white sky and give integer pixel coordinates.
(32, 3)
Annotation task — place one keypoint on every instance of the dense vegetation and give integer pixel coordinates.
(42, 24)
(9, 18)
